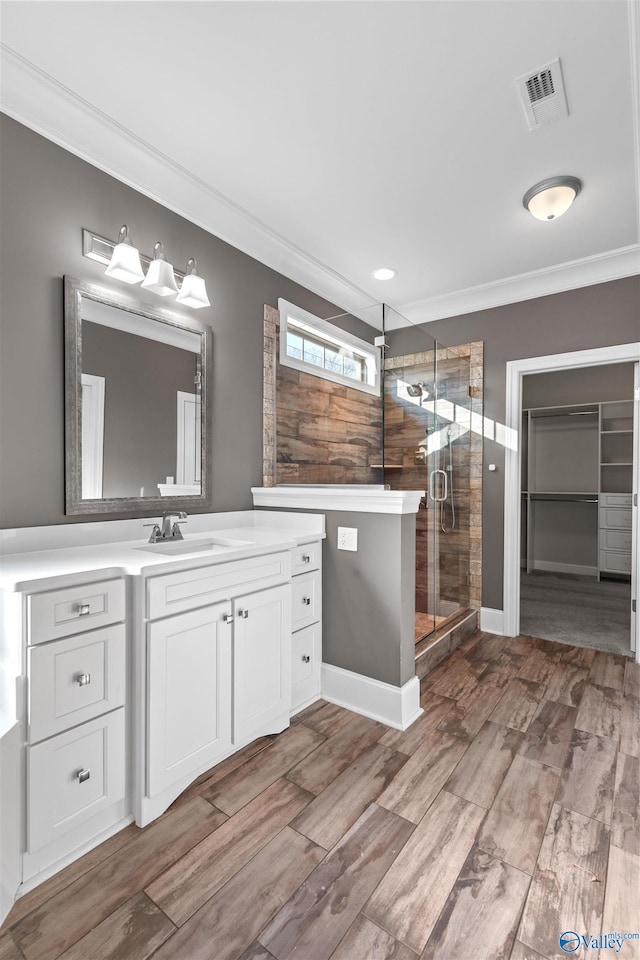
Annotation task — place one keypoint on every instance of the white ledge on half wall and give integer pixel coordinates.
(356, 498)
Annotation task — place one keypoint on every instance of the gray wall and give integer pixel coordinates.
(140, 411)
(584, 385)
(47, 197)
(584, 319)
(369, 596)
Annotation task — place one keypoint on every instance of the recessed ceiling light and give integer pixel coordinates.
(384, 273)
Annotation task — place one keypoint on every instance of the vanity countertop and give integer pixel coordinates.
(254, 532)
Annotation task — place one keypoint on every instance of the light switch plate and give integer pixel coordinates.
(348, 538)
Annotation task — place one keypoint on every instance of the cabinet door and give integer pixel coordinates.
(262, 663)
(189, 694)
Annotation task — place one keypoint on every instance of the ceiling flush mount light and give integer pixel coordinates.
(193, 292)
(384, 273)
(125, 261)
(550, 198)
(160, 278)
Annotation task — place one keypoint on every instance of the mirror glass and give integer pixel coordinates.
(136, 404)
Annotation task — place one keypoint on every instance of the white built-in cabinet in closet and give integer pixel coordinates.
(577, 477)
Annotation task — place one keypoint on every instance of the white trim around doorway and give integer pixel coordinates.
(515, 371)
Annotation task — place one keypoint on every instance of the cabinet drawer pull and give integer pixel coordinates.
(83, 775)
(306, 658)
(306, 558)
(227, 618)
(83, 679)
(84, 609)
(306, 601)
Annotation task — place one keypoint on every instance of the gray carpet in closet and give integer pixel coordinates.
(576, 610)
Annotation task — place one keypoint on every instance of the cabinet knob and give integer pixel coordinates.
(83, 775)
(306, 601)
(83, 679)
(306, 558)
(243, 614)
(227, 618)
(84, 609)
(305, 658)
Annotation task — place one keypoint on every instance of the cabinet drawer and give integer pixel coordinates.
(75, 679)
(305, 666)
(615, 499)
(61, 613)
(178, 592)
(615, 518)
(616, 540)
(306, 600)
(73, 777)
(306, 558)
(615, 562)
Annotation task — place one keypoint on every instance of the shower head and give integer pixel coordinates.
(417, 389)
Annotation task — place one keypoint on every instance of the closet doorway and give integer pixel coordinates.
(577, 480)
(571, 482)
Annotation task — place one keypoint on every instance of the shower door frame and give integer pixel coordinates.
(515, 371)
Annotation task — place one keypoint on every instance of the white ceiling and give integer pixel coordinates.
(331, 138)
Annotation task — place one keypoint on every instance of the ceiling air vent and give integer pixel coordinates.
(542, 94)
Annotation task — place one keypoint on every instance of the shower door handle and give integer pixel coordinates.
(432, 486)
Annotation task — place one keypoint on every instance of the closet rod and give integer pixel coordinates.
(561, 500)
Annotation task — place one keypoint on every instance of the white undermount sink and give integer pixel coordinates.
(210, 545)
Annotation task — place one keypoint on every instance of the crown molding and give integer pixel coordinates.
(32, 97)
(600, 268)
(35, 99)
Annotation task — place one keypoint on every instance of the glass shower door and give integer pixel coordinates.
(432, 435)
(409, 418)
(451, 480)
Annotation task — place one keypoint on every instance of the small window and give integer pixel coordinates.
(324, 350)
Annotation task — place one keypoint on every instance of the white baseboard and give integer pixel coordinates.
(549, 566)
(492, 621)
(396, 706)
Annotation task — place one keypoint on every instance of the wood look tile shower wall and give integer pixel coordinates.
(316, 431)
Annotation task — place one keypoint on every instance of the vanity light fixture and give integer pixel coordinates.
(193, 292)
(550, 198)
(125, 261)
(160, 278)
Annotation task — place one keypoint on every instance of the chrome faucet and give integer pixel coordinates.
(169, 530)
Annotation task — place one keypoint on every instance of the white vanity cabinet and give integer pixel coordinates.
(306, 641)
(218, 675)
(76, 738)
(124, 676)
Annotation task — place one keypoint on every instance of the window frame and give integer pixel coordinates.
(331, 335)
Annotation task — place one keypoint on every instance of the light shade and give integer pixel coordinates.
(193, 292)
(125, 261)
(160, 278)
(550, 198)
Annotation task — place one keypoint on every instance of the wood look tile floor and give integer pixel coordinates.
(506, 815)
